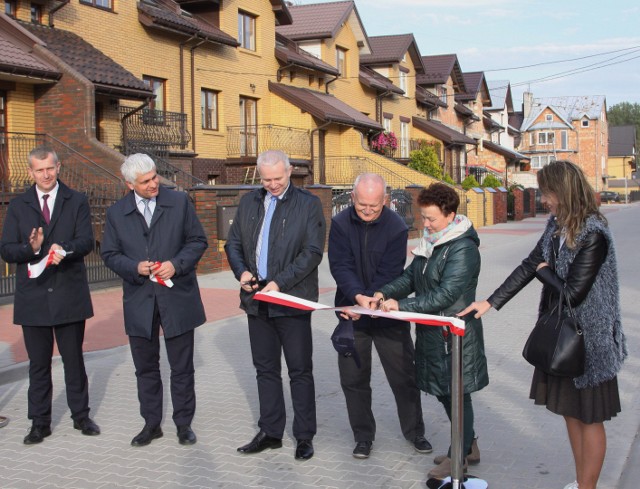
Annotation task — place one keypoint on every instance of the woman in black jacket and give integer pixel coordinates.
(575, 254)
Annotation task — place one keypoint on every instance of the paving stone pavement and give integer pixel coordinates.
(522, 445)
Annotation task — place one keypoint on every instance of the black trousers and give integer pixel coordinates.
(396, 351)
(269, 337)
(146, 358)
(38, 341)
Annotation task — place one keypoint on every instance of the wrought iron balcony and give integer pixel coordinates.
(249, 141)
(150, 127)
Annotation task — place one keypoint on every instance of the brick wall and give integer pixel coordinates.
(500, 205)
(207, 200)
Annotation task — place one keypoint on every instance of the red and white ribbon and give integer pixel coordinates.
(34, 270)
(456, 325)
(154, 278)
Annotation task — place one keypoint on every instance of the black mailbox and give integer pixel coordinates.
(226, 214)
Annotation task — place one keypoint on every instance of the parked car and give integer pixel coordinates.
(608, 196)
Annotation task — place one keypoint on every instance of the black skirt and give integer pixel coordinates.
(560, 395)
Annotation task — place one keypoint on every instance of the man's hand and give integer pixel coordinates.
(271, 286)
(389, 305)
(164, 270)
(36, 238)
(248, 281)
(57, 257)
(146, 268)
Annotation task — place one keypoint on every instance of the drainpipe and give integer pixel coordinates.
(182, 45)
(323, 178)
(280, 70)
(193, 94)
(326, 85)
(125, 117)
(55, 9)
(379, 104)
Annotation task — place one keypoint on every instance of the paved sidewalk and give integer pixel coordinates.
(522, 445)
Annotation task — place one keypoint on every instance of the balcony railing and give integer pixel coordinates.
(152, 127)
(182, 179)
(249, 141)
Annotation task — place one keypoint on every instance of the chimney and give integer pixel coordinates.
(527, 103)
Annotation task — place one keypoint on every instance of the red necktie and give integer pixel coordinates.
(45, 209)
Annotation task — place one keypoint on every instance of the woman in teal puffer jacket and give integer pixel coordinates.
(444, 276)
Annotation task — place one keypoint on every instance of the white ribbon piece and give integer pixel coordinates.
(34, 270)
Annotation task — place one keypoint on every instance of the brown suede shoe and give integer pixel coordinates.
(443, 470)
(472, 459)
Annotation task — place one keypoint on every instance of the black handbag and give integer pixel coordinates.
(556, 344)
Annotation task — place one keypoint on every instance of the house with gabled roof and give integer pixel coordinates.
(623, 160)
(572, 128)
(445, 121)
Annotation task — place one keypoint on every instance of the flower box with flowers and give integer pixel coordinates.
(385, 143)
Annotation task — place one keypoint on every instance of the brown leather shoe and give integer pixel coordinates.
(472, 459)
(443, 470)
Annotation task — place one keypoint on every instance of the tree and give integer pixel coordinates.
(623, 114)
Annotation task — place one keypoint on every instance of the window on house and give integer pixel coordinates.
(105, 4)
(546, 138)
(386, 123)
(564, 140)
(341, 61)
(443, 94)
(549, 118)
(10, 8)
(585, 122)
(211, 179)
(247, 30)
(158, 87)
(36, 13)
(209, 107)
(403, 82)
(540, 161)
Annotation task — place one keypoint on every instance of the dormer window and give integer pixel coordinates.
(585, 122)
(549, 118)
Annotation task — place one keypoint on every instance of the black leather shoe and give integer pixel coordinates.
(87, 426)
(37, 434)
(146, 436)
(304, 450)
(261, 442)
(362, 449)
(422, 445)
(186, 436)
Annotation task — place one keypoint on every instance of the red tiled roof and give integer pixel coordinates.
(168, 15)
(324, 107)
(316, 21)
(442, 132)
(106, 74)
(372, 79)
(17, 56)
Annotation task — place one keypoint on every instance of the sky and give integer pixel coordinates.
(551, 49)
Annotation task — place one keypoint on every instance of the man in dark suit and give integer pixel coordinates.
(154, 240)
(276, 243)
(51, 220)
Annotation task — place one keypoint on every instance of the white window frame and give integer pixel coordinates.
(402, 80)
(546, 138)
(247, 26)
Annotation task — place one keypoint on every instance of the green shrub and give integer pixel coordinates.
(470, 182)
(448, 179)
(425, 160)
(491, 181)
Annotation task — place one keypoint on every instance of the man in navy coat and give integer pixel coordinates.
(368, 249)
(153, 240)
(50, 218)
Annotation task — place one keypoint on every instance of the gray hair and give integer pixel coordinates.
(370, 179)
(136, 164)
(271, 158)
(41, 152)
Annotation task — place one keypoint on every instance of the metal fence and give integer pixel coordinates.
(78, 172)
(400, 201)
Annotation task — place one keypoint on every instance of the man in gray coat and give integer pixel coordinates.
(153, 240)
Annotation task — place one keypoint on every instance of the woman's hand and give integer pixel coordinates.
(389, 305)
(479, 306)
